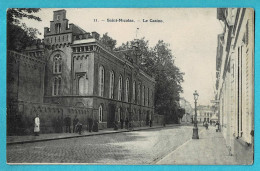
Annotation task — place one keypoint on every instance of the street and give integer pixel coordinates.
(169, 145)
(138, 147)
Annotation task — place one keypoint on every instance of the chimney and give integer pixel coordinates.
(95, 35)
(87, 35)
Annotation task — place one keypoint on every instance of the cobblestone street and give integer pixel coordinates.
(172, 145)
(140, 147)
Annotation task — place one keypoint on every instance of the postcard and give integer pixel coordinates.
(130, 86)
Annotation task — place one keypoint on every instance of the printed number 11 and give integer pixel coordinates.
(95, 20)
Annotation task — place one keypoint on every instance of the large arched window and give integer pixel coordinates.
(101, 80)
(143, 95)
(56, 86)
(147, 97)
(100, 113)
(120, 81)
(111, 84)
(119, 114)
(139, 93)
(82, 85)
(134, 92)
(152, 98)
(127, 90)
(57, 61)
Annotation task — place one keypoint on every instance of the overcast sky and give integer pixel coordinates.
(191, 33)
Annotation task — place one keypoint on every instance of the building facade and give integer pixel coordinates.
(235, 81)
(71, 73)
(205, 113)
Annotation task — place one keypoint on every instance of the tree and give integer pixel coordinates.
(159, 62)
(108, 41)
(19, 36)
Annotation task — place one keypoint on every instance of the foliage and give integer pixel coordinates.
(19, 35)
(108, 41)
(159, 62)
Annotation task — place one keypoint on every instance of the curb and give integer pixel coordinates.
(78, 136)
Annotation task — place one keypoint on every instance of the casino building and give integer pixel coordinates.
(71, 73)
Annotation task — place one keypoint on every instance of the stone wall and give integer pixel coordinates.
(20, 117)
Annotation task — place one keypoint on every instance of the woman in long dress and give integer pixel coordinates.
(36, 125)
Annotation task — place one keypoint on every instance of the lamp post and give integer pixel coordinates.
(195, 129)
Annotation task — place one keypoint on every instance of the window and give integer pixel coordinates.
(82, 85)
(152, 98)
(58, 17)
(119, 114)
(127, 90)
(100, 113)
(139, 93)
(111, 84)
(143, 95)
(134, 92)
(120, 88)
(58, 28)
(56, 86)
(101, 80)
(148, 100)
(57, 61)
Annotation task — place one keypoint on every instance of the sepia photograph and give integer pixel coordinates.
(130, 86)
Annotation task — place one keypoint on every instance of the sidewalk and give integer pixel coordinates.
(210, 149)
(10, 140)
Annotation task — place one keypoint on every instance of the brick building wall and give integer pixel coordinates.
(75, 72)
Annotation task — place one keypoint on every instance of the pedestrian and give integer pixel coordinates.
(78, 128)
(122, 123)
(150, 122)
(126, 123)
(90, 124)
(217, 126)
(36, 125)
(67, 124)
(206, 125)
(130, 126)
(75, 121)
(95, 126)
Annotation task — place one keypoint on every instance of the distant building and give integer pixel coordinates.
(71, 73)
(204, 113)
(235, 81)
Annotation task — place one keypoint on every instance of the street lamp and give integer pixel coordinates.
(195, 129)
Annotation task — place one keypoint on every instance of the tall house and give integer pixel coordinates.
(235, 81)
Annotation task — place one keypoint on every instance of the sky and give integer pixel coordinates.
(191, 33)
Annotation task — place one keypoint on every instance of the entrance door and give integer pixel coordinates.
(111, 115)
